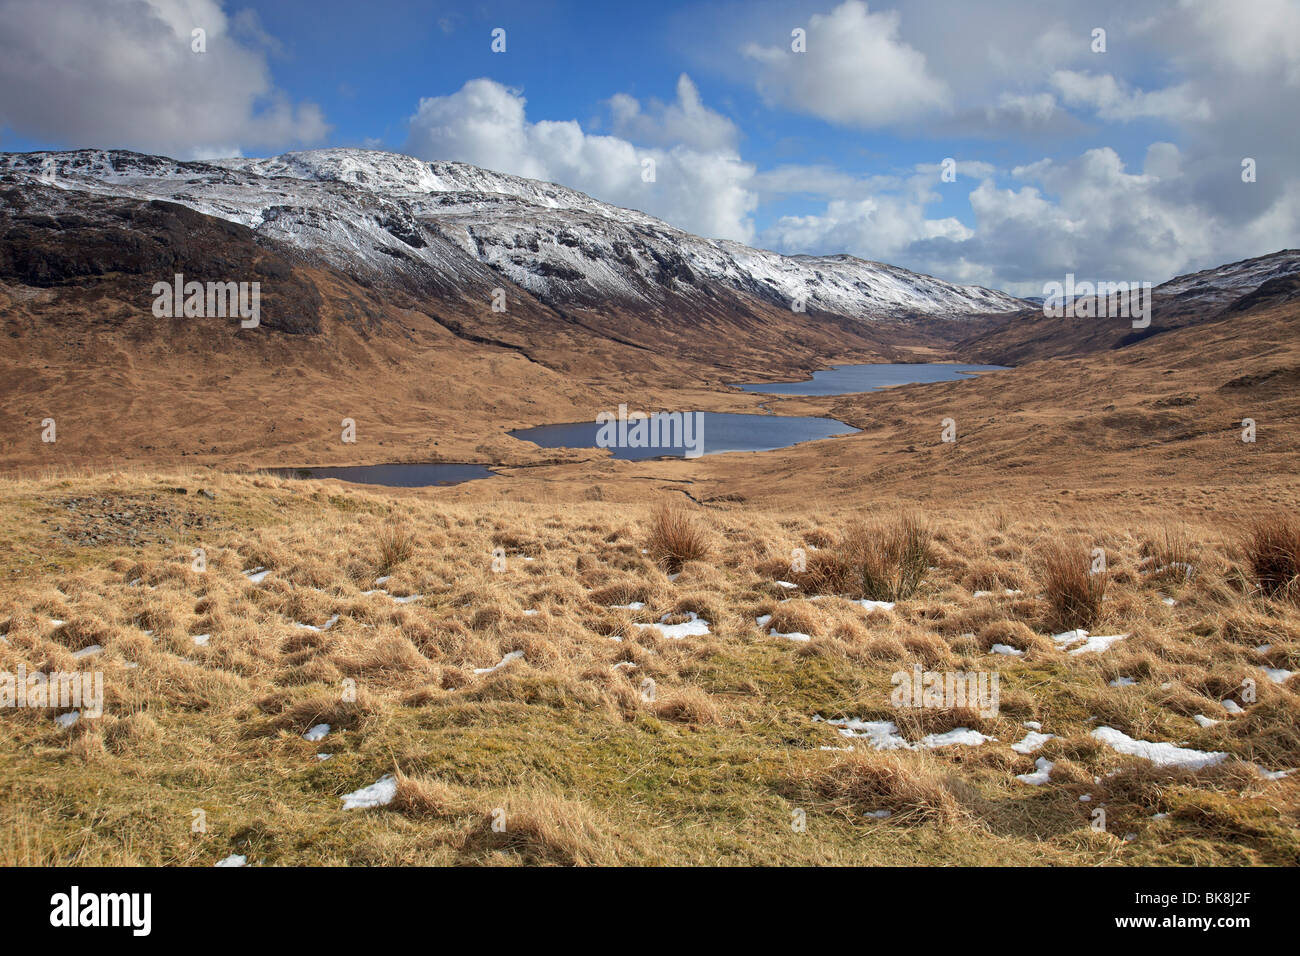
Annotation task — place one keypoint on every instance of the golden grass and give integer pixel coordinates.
(1075, 588)
(676, 537)
(586, 765)
(1273, 552)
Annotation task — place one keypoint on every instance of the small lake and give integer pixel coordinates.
(718, 432)
(847, 379)
(395, 475)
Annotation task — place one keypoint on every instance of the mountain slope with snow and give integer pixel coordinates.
(454, 226)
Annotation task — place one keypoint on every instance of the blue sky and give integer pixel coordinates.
(1121, 164)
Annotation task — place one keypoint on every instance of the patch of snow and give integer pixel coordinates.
(879, 814)
(1041, 775)
(762, 621)
(384, 580)
(1272, 774)
(318, 732)
(378, 794)
(634, 606)
(201, 640)
(1160, 754)
(90, 650)
(1032, 742)
(257, 574)
(793, 635)
(1007, 649)
(1232, 707)
(1264, 648)
(884, 735)
(1204, 721)
(324, 627)
(1276, 674)
(875, 605)
(408, 598)
(324, 756)
(787, 585)
(233, 860)
(1098, 642)
(1122, 682)
(67, 720)
(1066, 638)
(695, 627)
(512, 656)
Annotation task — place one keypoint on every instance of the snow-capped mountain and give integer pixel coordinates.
(456, 226)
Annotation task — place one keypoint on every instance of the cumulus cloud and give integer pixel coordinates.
(1112, 100)
(702, 190)
(686, 122)
(122, 73)
(856, 70)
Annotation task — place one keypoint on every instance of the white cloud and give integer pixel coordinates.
(686, 122)
(856, 70)
(122, 73)
(1112, 100)
(705, 191)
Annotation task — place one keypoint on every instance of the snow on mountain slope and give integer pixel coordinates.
(460, 226)
(1223, 284)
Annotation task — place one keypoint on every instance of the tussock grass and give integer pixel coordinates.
(1273, 553)
(586, 767)
(677, 537)
(1074, 591)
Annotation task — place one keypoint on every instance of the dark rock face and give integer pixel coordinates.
(54, 239)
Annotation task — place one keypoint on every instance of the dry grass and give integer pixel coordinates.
(1273, 553)
(887, 561)
(561, 737)
(1075, 591)
(676, 537)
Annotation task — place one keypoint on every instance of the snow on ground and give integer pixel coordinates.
(884, 735)
(89, 651)
(256, 574)
(408, 598)
(512, 656)
(233, 860)
(792, 636)
(1041, 774)
(67, 720)
(1122, 682)
(1007, 649)
(1098, 642)
(318, 732)
(1204, 721)
(787, 585)
(378, 794)
(1232, 707)
(1066, 638)
(324, 627)
(1008, 592)
(875, 605)
(695, 627)
(634, 606)
(1160, 754)
(201, 640)
(1033, 740)
(1277, 675)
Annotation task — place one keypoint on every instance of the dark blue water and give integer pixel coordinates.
(395, 476)
(846, 379)
(719, 432)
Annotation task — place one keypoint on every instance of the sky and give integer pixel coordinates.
(1104, 139)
